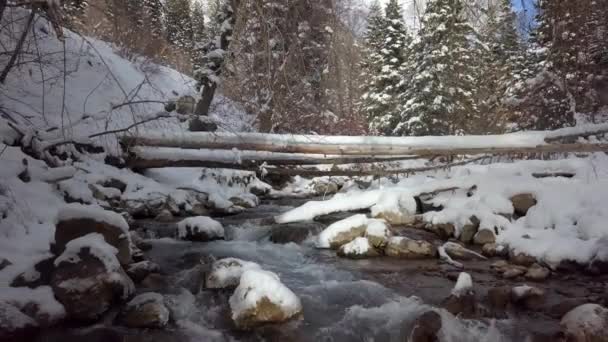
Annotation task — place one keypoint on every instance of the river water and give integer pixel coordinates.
(344, 300)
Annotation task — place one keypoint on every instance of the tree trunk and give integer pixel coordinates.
(2, 7)
(202, 106)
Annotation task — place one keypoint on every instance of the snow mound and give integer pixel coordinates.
(227, 272)
(96, 245)
(42, 297)
(586, 322)
(200, 224)
(76, 211)
(256, 286)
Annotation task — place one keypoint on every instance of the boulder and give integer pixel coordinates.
(359, 248)
(342, 232)
(245, 200)
(484, 236)
(499, 298)
(88, 278)
(537, 272)
(140, 270)
(444, 231)
(261, 298)
(457, 251)
(294, 232)
(77, 220)
(396, 208)
(321, 187)
(114, 183)
(529, 297)
(522, 203)
(513, 271)
(586, 323)
(469, 230)
(146, 310)
(156, 282)
(164, 216)
(426, 328)
(226, 273)
(15, 325)
(403, 247)
(377, 233)
(462, 300)
(521, 259)
(200, 228)
(494, 250)
(139, 242)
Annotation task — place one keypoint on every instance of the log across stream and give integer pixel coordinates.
(375, 299)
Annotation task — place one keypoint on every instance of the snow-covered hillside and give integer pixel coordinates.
(98, 84)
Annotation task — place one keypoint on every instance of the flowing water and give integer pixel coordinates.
(343, 300)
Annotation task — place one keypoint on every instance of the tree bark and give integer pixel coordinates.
(2, 7)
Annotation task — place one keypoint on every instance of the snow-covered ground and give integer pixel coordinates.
(567, 223)
(91, 98)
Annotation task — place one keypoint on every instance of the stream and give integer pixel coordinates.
(368, 300)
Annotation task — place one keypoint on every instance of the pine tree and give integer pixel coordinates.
(178, 23)
(502, 56)
(441, 92)
(388, 49)
(543, 99)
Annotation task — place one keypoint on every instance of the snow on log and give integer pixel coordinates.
(520, 142)
(156, 157)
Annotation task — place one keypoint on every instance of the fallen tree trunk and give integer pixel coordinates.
(358, 173)
(525, 142)
(151, 157)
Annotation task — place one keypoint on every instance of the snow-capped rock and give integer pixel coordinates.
(200, 228)
(261, 298)
(396, 208)
(146, 310)
(484, 236)
(88, 278)
(226, 273)
(359, 248)
(342, 232)
(77, 220)
(586, 323)
(140, 270)
(403, 247)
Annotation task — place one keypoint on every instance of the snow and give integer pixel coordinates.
(227, 272)
(377, 228)
(98, 247)
(41, 296)
(200, 224)
(329, 233)
(358, 246)
(464, 284)
(74, 211)
(12, 319)
(397, 202)
(258, 284)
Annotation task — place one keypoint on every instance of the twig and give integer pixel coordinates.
(125, 129)
(18, 48)
(137, 102)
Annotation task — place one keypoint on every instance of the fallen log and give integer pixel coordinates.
(553, 174)
(531, 142)
(357, 173)
(153, 157)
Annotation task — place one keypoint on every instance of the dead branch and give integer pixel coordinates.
(11, 62)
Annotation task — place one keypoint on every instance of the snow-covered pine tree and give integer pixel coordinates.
(215, 52)
(542, 99)
(178, 23)
(503, 55)
(281, 64)
(441, 91)
(388, 51)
